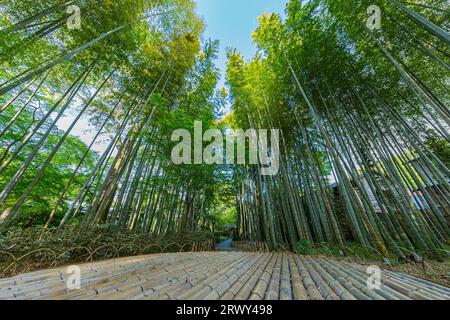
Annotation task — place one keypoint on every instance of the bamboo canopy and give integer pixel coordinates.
(363, 119)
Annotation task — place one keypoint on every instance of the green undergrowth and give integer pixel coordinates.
(220, 239)
(25, 250)
(305, 247)
(359, 252)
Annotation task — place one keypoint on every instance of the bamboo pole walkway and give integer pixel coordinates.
(220, 275)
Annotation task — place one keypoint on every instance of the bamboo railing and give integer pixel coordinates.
(207, 245)
(250, 246)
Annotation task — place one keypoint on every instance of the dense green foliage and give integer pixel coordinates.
(371, 105)
(131, 75)
(363, 116)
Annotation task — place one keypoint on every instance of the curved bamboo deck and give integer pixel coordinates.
(219, 275)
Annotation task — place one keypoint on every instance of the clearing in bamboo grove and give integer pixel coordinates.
(117, 141)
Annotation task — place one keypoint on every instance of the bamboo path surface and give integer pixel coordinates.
(220, 275)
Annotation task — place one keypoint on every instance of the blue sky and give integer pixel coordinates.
(233, 21)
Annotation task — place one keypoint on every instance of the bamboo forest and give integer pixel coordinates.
(92, 93)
